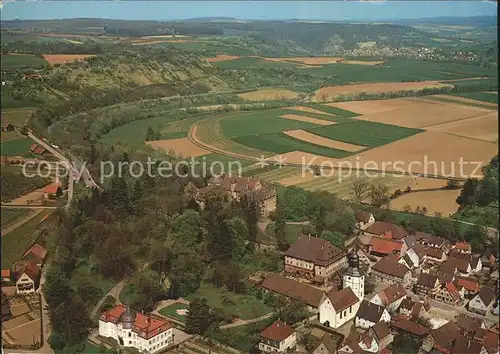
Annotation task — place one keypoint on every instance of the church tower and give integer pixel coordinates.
(353, 277)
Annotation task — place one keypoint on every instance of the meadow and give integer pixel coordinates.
(10, 216)
(365, 133)
(22, 61)
(17, 116)
(17, 147)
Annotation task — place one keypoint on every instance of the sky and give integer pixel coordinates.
(263, 10)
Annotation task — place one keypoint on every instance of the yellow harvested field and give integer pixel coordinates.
(26, 334)
(425, 114)
(163, 41)
(333, 91)
(296, 179)
(308, 109)
(301, 157)
(319, 140)
(417, 183)
(307, 119)
(468, 100)
(483, 128)
(222, 57)
(65, 58)
(430, 152)
(441, 201)
(182, 147)
(361, 62)
(376, 106)
(268, 94)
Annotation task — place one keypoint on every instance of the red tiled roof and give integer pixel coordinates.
(31, 270)
(385, 246)
(469, 284)
(461, 264)
(39, 150)
(278, 331)
(487, 295)
(363, 216)
(380, 227)
(430, 239)
(444, 336)
(52, 188)
(293, 289)
(465, 345)
(433, 252)
(389, 265)
(315, 250)
(33, 147)
(5, 273)
(464, 246)
(453, 290)
(471, 324)
(410, 326)
(342, 299)
(37, 250)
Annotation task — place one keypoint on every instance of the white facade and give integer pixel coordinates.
(25, 285)
(356, 283)
(363, 225)
(274, 346)
(364, 323)
(478, 306)
(414, 257)
(128, 338)
(328, 314)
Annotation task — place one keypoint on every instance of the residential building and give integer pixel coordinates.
(328, 344)
(278, 337)
(412, 308)
(474, 261)
(353, 278)
(427, 285)
(6, 275)
(364, 219)
(466, 345)
(470, 286)
(135, 330)
(386, 230)
(314, 258)
(417, 254)
(381, 247)
(338, 308)
(382, 334)
(413, 328)
(468, 324)
(52, 191)
(370, 342)
(390, 271)
(37, 150)
(435, 255)
(488, 261)
(370, 313)
(391, 297)
(462, 247)
(441, 339)
(37, 254)
(429, 240)
(28, 279)
(407, 261)
(446, 272)
(462, 265)
(483, 302)
(7, 127)
(312, 297)
(450, 294)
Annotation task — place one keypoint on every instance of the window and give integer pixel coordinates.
(350, 309)
(341, 315)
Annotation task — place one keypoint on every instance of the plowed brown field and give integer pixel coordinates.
(483, 128)
(376, 106)
(319, 140)
(65, 58)
(442, 201)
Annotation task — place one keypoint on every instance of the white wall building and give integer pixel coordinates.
(369, 314)
(390, 297)
(131, 329)
(278, 337)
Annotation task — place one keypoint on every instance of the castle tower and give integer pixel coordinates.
(353, 277)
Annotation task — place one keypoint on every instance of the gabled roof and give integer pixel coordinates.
(474, 262)
(461, 264)
(434, 252)
(381, 330)
(31, 270)
(452, 290)
(469, 284)
(427, 280)
(465, 345)
(370, 311)
(52, 188)
(330, 343)
(408, 260)
(469, 323)
(409, 326)
(487, 295)
(392, 294)
(278, 331)
(464, 246)
(316, 250)
(424, 237)
(5, 273)
(419, 249)
(389, 265)
(36, 250)
(342, 299)
(293, 289)
(384, 245)
(381, 227)
(363, 216)
(445, 335)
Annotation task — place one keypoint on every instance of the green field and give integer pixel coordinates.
(486, 83)
(275, 174)
(10, 216)
(281, 143)
(333, 110)
(17, 116)
(22, 61)
(177, 129)
(239, 305)
(171, 311)
(133, 133)
(365, 133)
(480, 96)
(17, 147)
(16, 242)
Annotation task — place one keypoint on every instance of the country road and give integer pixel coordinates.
(115, 293)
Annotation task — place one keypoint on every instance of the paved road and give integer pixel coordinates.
(115, 292)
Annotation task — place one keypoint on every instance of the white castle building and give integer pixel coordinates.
(132, 329)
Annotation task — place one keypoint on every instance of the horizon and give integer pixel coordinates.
(245, 11)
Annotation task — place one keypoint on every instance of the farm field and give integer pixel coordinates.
(65, 58)
(442, 202)
(16, 147)
(134, 132)
(16, 242)
(460, 101)
(301, 118)
(177, 129)
(16, 61)
(222, 57)
(10, 136)
(10, 216)
(482, 128)
(268, 94)
(16, 116)
(491, 97)
(180, 147)
(319, 140)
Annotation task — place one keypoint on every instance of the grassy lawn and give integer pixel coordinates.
(133, 133)
(480, 96)
(16, 242)
(10, 136)
(91, 348)
(17, 116)
(10, 216)
(22, 61)
(333, 110)
(240, 305)
(17, 147)
(292, 231)
(365, 133)
(281, 143)
(84, 269)
(171, 311)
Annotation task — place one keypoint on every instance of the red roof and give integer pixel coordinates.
(385, 246)
(278, 331)
(387, 229)
(52, 188)
(463, 246)
(410, 326)
(469, 284)
(5, 273)
(453, 290)
(145, 326)
(31, 270)
(37, 250)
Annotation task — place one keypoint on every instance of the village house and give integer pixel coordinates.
(7, 127)
(374, 341)
(37, 150)
(388, 270)
(413, 328)
(278, 337)
(338, 308)
(462, 247)
(432, 241)
(381, 247)
(446, 272)
(407, 261)
(450, 293)
(386, 230)
(382, 334)
(468, 324)
(390, 297)
(314, 258)
(52, 191)
(135, 330)
(370, 314)
(364, 219)
(6, 274)
(36, 253)
(483, 302)
(417, 254)
(435, 255)
(28, 279)
(462, 266)
(412, 308)
(488, 261)
(427, 285)
(441, 339)
(327, 345)
(488, 338)
(312, 297)
(470, 286)
(474, 261)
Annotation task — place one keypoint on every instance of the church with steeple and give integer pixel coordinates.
(353, 277)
